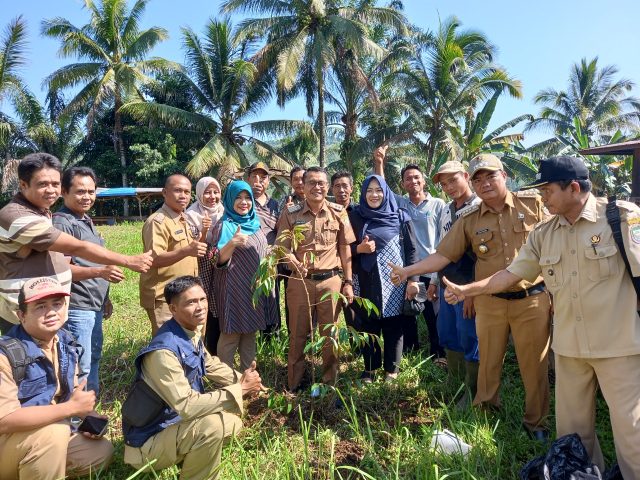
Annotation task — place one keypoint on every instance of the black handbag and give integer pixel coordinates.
(142, 406)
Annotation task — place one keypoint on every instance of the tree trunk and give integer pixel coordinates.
(321, 119)
(118, 145)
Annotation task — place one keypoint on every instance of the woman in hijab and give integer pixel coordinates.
(240, 245)
(201, 215)
(384, 234)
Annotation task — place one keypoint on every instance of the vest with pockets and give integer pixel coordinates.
(170, 337)
(38, 383)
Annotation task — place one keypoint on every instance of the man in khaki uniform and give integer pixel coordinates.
(495, 230)
(36, 440)
(316, 264)
(175, 250)
(191, 425)
(596, 335)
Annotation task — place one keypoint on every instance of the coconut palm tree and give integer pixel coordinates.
(600, 104)
(113, 63)
(301, 42)
(12, 58)
(229, 90)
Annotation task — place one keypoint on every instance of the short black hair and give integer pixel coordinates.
(314, 170)
(179, 285)
(166, 182)
(585, 185)
(411, 166)
(37, 161)
(73, 172)
(295, 169)
(341, 174)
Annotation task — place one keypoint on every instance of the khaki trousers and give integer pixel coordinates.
(197, 444)
(158, 315)
(50, 453)
(619, 380)
(325, 311)
(528, 321)
(230, 343)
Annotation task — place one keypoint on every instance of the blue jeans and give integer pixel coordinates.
(456, 332)
(86, 326)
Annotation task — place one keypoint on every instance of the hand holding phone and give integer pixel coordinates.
(94, 425)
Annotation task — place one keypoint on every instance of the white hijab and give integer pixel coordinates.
(196, 211)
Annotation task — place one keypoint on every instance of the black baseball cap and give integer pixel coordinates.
(559, 169)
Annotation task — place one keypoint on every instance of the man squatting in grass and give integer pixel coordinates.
(184, 424)
(495, 230)
(596, 335)
(36, 438)
(31, 247)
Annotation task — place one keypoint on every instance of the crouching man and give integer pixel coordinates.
(38, 401)
(167, 416)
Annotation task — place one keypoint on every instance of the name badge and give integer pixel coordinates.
(178, 232)
(299, 222)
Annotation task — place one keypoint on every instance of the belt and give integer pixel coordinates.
(323, 275)
(537, 288)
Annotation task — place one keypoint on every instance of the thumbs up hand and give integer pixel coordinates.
(239, 239)
(398, 274)
(366, 246)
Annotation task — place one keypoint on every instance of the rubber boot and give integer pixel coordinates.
(455, 365)
(470, 384)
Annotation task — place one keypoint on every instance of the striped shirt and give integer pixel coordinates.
(268, 215)
(26, 234)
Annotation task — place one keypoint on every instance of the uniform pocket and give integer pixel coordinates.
(330, 232)
(601, 263)
(484, 245)
(552, 271)
(32, 387)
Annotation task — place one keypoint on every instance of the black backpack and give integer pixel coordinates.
(16, 353)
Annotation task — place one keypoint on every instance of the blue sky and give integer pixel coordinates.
(537, 41)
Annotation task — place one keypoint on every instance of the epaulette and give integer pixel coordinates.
(469, 210)
(544, 221)
(294, 208)
(159, 217)
(533, 192)
(336, 206)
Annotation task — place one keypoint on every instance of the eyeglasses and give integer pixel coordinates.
(313, 183)
(476, 181)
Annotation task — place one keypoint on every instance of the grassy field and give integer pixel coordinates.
(384, 432)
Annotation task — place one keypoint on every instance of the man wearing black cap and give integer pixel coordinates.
(597, 328)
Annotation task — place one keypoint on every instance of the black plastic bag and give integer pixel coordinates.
(565, 458)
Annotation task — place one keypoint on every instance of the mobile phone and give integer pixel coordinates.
(94, 425)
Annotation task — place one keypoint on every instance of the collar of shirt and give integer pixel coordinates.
(589, 213)
(19, 198)
(173, 215)
(306, 207)
(508, 201)
(265, 202)
(84, 218)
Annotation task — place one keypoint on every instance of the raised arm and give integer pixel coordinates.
(498, 282)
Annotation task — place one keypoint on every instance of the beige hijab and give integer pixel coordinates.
(197, 210)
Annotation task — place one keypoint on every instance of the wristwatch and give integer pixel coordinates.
(347, 281)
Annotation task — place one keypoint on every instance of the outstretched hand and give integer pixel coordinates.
(398, 274)
(140, 263)
(454, 293)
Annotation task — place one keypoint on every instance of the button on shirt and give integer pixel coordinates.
(495, 238)
(326, 230)
(594, 299)
(165, 231)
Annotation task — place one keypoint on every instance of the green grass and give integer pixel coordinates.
(384, 432)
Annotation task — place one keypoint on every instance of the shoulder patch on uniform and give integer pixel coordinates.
(527, 193)
(159, 217)
(336, 206)
(294, 208)
(469, 210)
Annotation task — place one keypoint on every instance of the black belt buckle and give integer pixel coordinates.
(323, 275)
(538, 288)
